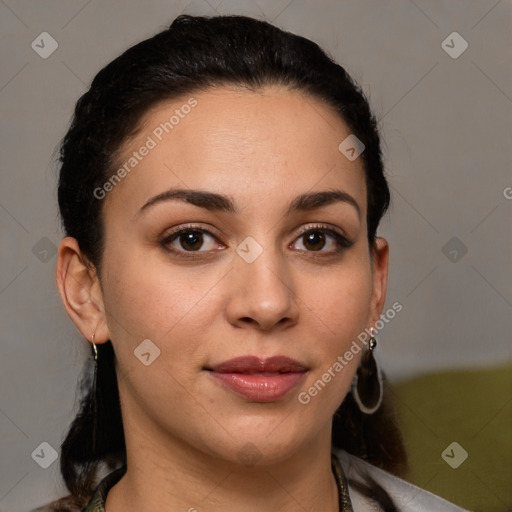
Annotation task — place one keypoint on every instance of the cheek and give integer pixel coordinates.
(340, 310)
(341, 299)
(145, 299)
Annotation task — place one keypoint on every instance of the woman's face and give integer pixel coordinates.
(255, 257)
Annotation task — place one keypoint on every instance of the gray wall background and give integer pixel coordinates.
(446, 126)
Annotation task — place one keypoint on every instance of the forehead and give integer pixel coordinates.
(251, 145)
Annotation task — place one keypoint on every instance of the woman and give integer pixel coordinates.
(221, 187)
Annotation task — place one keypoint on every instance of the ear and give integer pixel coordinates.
(80, 291)
(380, 257)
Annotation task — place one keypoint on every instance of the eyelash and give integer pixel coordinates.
(342, 241)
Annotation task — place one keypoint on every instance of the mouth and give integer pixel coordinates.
(259, 380)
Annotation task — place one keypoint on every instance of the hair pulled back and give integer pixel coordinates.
(193, 55)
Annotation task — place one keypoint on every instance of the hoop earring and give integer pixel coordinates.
(367, 386)
(94, 393)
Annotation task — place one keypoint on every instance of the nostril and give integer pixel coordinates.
(249, 320)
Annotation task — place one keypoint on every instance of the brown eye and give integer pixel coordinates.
(322, 240)
(314, 240)
(191, 240)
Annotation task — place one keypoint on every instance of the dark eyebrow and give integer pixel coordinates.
(217, 202)
(208, 200)
(313, 200)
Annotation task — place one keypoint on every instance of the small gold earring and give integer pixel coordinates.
(94, 348)
(94, 393)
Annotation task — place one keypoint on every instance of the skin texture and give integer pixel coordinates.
(307, 299)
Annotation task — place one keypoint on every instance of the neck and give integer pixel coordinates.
(164, 475)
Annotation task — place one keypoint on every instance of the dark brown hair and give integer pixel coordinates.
(194, 54)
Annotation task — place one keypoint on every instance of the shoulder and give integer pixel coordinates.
(407, 497)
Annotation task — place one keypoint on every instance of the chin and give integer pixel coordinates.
(262, 444)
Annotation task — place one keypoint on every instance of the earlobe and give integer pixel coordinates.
(380, 255)
(80, 292)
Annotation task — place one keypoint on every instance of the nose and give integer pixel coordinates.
(262, 293)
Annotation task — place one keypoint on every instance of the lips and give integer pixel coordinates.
(259, 380)
(252, 364)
